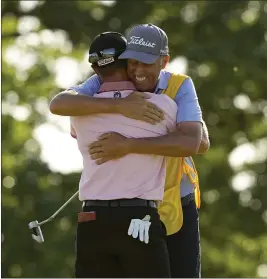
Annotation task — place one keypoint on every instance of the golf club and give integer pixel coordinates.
(35, 226)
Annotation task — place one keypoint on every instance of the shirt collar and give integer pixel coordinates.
(116, 86)
(163, 81)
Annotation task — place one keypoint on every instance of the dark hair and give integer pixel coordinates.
(109, 69)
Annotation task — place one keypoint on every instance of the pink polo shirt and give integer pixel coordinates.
(134, 175)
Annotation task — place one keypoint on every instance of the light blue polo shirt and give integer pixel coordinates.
(186, 100)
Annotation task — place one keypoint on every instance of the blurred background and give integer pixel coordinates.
(222, 45)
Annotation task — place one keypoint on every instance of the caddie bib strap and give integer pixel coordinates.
(170, 210)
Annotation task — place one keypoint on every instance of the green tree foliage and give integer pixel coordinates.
(225, 44)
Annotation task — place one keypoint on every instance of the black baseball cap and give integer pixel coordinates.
(106, 48)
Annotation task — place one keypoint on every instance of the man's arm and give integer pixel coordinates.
(70, 103)
(134, 106)
(188, 140)
(78, 100)
(184, 142)
(112, 145)
(204, 143)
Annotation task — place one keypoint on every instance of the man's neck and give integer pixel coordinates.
(115, 78)
(116, 86)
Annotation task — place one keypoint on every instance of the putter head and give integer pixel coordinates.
(37, 234)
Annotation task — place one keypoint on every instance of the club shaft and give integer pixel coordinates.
(56, 213)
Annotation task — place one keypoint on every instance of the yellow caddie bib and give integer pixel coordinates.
(170, 209)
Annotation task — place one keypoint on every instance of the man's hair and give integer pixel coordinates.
(109, 69)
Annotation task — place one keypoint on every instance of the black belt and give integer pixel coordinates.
(187, 199)
(134, 202)
(121, 203)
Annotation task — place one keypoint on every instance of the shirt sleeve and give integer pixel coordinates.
(187, 102)
(89, 87)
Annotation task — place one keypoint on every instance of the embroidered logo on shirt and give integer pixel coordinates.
(117, 94)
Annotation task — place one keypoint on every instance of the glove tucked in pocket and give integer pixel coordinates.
(141, 228)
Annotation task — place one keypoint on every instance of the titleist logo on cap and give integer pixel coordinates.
(140, 41)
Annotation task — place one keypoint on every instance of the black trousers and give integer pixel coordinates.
(184, 246)
(104, 249)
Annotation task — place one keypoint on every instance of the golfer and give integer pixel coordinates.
(119, 232)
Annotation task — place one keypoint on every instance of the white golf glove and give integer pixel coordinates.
(141, 228)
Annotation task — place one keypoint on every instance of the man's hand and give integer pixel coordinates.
(137, 107)
(108, 147)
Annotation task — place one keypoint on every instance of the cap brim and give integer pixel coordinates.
(143, 57)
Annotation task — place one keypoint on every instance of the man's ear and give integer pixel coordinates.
(166, 59)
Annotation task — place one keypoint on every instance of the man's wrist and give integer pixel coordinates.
(171, 145)
(130, 145)
(118, 106)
